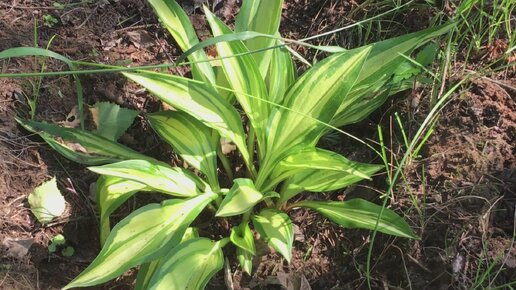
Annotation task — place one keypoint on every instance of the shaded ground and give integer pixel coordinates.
(459, 196)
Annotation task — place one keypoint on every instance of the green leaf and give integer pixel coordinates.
(178, 24)
(190, 265)
(282, 74)
(81, 146)
(317, 180)
(222, 82)
(190, 138)
(198, 100)
(145, 274)
(243, 240)
(317, 159)
(46, 201)
(276, 228)
(380, 66)
(246, 260)
(145, 235)
(244, 77)
(68, 251)
(147, 270)
(56, 241)
(313, 99)
(111, 193)
(262, 16)
(242, 196)
(111, 120)
(427, 55)
(359, 213)
(156, 175)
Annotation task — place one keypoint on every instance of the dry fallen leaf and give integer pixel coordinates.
(226, 146)
(140, 38)
(72, 119)
(17, 248)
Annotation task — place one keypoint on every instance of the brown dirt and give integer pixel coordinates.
(464, 185)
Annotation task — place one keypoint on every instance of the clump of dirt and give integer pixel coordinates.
(478, 140)
(469, 198)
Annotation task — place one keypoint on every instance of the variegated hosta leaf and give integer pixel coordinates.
(359, 213)
(244, 239)
(313, 99)
(145, 235)
(282, 74)
(261, 16)
(190, 138)
(222, 82)
(173, 17)
(316, 159)
(145, 274)
(276, 228)
(198, 100)
(246, 260)
(190, 265)
(111, 193)
(243, 75)
(157, 175)
(242, 196)
(81, 146)
(380, 66)
(147, 270)
(320, 180)
(359, 106)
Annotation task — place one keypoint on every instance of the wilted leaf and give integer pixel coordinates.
(46, 201)
(112, 120)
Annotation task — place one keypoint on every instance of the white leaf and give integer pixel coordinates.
(47, 202)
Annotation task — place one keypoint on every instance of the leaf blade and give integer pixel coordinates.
(198, 100)
(190, 138)
(156, 175)
(243, 75)
(176, 21)
(201, 256)
(81, 146)
(359, 213)
(276, 228)
(143, 236)
(242, 196)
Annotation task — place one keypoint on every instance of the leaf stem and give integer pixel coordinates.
(250, 146)
(225, 163)
(245, 220)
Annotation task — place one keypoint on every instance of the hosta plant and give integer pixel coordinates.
(251, 96)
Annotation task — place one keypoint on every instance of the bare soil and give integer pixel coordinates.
(459, 194)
